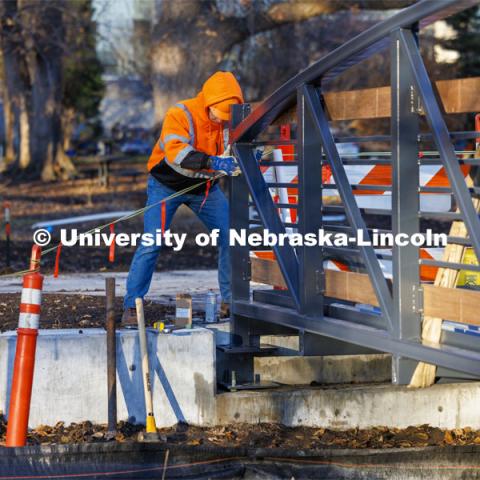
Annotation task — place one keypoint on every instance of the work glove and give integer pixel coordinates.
(225, 164)
(258, 153)
(261, 153)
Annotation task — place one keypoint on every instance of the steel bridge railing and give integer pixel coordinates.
(303, 307)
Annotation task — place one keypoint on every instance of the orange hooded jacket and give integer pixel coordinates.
(188, 128)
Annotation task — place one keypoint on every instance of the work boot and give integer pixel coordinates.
(129, 317)
(224, 310)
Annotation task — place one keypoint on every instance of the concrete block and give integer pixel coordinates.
(70, 381)
(325, 370)
(70, 385)
(444, 406)
(292, 341)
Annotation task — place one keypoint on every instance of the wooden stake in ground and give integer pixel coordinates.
(424, 375)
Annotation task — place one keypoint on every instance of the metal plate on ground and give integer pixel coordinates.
(250, 386)
(263, 349)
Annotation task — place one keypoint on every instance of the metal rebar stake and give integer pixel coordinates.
(111, 355)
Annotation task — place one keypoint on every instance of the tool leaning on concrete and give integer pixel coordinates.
(151, 427)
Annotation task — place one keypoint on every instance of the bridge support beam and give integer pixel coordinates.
(311, 275)
(239, 255)
(404, 126)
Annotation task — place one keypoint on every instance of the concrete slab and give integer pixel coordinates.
(325, 370)
(365, 406)
(70, 382)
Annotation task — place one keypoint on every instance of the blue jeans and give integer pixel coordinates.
(214, 214)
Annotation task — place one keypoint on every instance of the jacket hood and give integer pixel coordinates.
(221, 86)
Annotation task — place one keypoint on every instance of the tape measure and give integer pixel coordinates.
(160, 326)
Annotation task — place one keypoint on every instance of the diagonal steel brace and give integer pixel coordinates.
(287, 259)
(382, 291)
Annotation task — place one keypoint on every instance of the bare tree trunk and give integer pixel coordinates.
(43, 134)
(64, 167)
(63, 162)
(68, 123)
(9, 121)
(16, 78)
(24, 156)
(44, 60)
(32, 38)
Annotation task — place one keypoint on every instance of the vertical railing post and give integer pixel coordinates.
(309, 148)
(405, 207)
(239, 255)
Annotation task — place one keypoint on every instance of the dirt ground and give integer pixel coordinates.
(258, 436)
(33, 202)
(75, 311)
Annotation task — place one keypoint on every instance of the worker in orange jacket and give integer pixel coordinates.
(194, 135)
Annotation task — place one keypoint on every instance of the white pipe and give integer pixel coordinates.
(81, 219)
(282, 192)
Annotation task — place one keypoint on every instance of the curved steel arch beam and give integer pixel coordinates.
(355, 50)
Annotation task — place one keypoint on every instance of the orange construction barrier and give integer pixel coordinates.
(56, 268)
(24, 365)
(111, 250)
(477, 129)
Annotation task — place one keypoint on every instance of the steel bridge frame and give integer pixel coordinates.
(324, 325)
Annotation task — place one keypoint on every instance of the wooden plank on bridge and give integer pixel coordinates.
(455, 304)
(458, 96)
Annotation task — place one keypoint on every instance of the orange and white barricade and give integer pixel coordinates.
(368, 174)
(27, 332)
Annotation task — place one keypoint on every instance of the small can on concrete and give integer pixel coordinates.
(210, 307)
